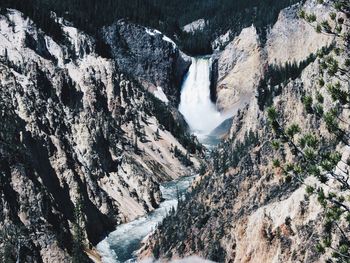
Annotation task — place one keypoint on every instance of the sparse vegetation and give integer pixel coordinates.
(317, 155)
(277, 76)
(78, 254)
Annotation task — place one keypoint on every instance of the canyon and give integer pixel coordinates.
(164, 156)
(75, 130)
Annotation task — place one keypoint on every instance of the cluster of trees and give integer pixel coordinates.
(229, 156)
(183, 158)
(40, 16)
(181, 230)
(222, 15)
(78, 246)
(196, 43)
(175, 125)
(315, 154)
(14, 243)
(87, 15)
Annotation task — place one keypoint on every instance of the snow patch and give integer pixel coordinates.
(153, 32)
(159, 93)
(165, 38)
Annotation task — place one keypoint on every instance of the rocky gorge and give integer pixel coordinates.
(94, 131)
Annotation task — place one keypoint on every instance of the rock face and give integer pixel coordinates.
(76, 129)
(149, 56)
(298, 38)
(251, 213)
(243, 62)
(248, 211)
(240, 67)
(222, 41)
(197, 25)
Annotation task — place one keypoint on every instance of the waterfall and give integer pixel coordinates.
(198, 110)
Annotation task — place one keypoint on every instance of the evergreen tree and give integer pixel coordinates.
(315, 154)
(157, 135)
(167, 16)
(13, 240)
(136, 147)
(78, 255)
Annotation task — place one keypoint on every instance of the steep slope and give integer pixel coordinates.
(76, 130)
(239, 68)
(242, 64)
(245, 209)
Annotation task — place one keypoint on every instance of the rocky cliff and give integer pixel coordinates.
(77, 130)
(245, 209)
(244, 61)
(149, 56)
(239, 68)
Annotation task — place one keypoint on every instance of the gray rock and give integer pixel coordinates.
(75, 128)
(149, 56)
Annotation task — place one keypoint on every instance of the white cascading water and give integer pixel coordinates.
(199, 111)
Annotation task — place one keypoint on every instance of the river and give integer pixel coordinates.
(121, 244)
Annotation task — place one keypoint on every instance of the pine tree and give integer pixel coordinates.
(78, 255)
(13, 241)
(157, 135)
(316, 155)
(136, 147)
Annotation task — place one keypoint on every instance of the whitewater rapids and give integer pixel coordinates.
(122, 244)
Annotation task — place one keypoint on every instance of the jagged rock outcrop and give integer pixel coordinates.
(76, 129)
(149, 56)
(194, 26)
(297, 37)
(222, 41)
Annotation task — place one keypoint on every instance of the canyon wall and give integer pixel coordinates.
(77, 129)
(243, 62)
